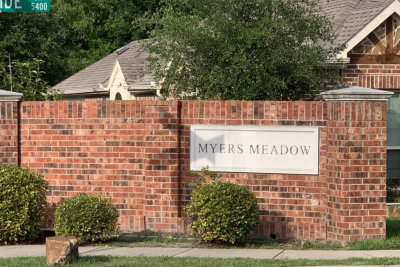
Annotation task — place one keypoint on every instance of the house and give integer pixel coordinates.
(370, 31)
(120, 75)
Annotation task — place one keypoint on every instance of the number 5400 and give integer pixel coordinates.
(39, 6)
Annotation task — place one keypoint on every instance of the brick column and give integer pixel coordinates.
(9, 128)
(356, 164)
(162, 167)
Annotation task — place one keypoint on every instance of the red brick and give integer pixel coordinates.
(127, 150)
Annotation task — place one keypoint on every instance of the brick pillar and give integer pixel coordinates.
(356, 167)
(162, 167)
(9, 127)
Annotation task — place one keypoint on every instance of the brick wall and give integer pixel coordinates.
(376, 76)
(138, 153)
(9, 132)
(356, 170)
(290, 205)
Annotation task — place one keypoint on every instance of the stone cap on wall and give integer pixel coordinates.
(356, 93)
(8, 96)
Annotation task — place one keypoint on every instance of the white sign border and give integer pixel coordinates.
(261, 128)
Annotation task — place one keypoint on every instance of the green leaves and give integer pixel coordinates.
(72, 36)
(22, 204)
(94, 28)
(206, 175)
(88, 217)
(223, 212)
(233, 49)
(27, 78)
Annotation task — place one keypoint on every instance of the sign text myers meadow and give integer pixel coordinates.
(24, 5)
(258, 149)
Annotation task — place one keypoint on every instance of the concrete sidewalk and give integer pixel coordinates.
(40, 250)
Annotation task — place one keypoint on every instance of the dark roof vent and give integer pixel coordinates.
(121, 50)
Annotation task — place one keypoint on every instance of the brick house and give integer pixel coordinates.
(370, 31)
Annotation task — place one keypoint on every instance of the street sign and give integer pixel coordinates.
(24, 5)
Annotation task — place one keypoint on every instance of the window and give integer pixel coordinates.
(393, 138)
(118, 96)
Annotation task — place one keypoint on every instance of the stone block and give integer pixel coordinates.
(61, 250)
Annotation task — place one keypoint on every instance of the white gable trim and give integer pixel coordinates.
(394, 7)
(117, 69)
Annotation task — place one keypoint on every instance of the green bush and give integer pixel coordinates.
(222, 212)
(22, 204)
(88, 217)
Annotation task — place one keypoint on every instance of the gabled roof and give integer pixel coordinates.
(95, 78)
(353, 20)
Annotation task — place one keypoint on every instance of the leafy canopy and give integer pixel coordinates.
(235, 49)
(72, 36)
(25, 36)
(27, 78)
(94, 28)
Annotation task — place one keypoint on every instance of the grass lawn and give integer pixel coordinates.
(100, 261)
(391, 242)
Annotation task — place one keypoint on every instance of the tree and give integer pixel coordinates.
(97, 27)
(27, 78)
(25, 36)
(235, 49)
(72, 36)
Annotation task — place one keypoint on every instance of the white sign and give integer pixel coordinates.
(258, 149)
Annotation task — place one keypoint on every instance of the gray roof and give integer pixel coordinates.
(94, 78)
(351, 16)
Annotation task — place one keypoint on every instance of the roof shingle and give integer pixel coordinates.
(95, 78)
(351, 16)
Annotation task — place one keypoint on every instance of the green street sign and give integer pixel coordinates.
(24, 5)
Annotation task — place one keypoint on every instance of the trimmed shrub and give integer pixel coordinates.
(223, 212)
(90, 218)
(22, 204)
